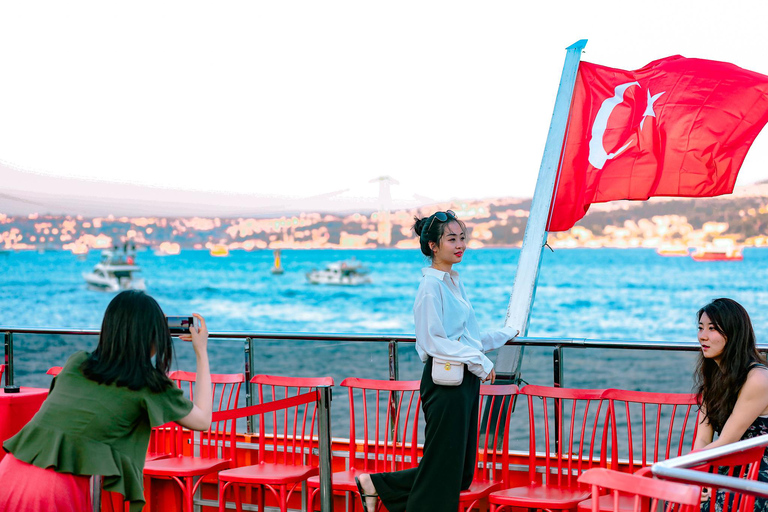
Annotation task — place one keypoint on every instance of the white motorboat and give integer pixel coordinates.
(342, 273)
(115, 272)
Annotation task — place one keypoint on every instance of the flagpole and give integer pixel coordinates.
(526, 277)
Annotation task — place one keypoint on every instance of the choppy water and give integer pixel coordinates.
(597, 294)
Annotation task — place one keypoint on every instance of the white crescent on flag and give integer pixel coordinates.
(597, 154)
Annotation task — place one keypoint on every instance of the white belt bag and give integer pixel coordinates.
(447, 373)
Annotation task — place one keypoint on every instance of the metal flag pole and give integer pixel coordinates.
(524, 289)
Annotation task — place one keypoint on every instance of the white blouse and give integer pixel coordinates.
(446, 326)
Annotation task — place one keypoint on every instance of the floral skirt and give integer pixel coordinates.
(26, 487)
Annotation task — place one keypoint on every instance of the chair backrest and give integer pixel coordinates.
(226, 387)
(649, 427)
(495, 410)
(211, 443)
(289, 435)
(571, 425)
(661, 494)
(744, 465)
(53, 370)
(386, 414)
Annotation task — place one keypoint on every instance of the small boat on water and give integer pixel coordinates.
(721, 249)
(115, 272)
(219, 250)
(340, 273)
(673, 250)
(168, 249)
(277, 268)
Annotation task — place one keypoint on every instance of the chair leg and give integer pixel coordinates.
(283, 498)
(223, 495)
(238, 498)
(189, 502)
(148, 494)
(260, 497)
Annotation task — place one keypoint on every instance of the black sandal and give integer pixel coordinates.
(363, 496)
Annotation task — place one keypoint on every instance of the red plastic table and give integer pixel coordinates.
(16, 409)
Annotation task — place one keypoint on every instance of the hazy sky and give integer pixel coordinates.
(301, 98)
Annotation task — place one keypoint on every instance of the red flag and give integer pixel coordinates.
(677, 127)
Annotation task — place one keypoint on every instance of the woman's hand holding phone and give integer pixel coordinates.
(198, 334)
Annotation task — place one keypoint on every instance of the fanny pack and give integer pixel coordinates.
(447, 373)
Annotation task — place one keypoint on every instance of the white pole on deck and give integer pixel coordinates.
(524, 289)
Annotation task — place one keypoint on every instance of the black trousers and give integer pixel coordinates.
(450, 450)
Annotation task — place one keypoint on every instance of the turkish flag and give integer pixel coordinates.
(677, 127)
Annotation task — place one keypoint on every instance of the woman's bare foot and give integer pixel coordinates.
(371, 498)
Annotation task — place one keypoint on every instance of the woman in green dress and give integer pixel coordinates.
(100, 411)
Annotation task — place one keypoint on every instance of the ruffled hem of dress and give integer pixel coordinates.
(69, 453)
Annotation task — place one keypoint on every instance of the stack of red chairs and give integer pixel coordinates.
(646, 428)
(492, 465)
(642, 494)
(194, 455)
(288, 440)
(386, 414)
(573, 432)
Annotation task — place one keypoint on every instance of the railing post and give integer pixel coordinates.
(9, 386)
(324, 396)
(394, 374)
(248, 387)
(96, 492)
(394, 361)
(557, 365)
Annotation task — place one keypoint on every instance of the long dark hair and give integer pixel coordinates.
(133, 326)
(718, 386)
(431, 229)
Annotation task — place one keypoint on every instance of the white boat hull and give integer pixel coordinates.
(324, 277)
(113, 284)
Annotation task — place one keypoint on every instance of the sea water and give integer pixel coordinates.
(629, 294)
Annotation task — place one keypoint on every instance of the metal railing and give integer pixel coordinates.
(250, 340)
(679, 468)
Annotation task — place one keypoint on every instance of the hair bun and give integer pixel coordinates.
(418, 227)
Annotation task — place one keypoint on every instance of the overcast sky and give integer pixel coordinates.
(302, 98)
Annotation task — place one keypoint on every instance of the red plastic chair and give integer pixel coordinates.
(2, 369)
(386, 413)
(646, 428)
(492, 467)
(194, 455)
(53, 370)
(574, 438)
(744, 465)
(645, 494)
(287, 443)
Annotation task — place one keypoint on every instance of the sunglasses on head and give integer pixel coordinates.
(442, 217)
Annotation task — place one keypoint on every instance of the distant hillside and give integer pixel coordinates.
(742, 217)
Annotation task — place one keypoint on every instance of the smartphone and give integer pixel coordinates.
(180, 324)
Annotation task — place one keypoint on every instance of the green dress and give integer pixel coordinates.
(87, 428)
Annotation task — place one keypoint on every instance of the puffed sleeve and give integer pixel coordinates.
(492, 340)
(430, 335)
(167, 405)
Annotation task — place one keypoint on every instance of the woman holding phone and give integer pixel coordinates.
(99, 413)
(446, 329)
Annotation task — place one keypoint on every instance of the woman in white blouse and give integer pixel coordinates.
(446, 328)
